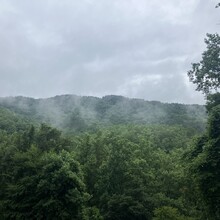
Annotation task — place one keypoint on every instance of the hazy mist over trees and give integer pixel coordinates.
(101, 156)
(113, 158)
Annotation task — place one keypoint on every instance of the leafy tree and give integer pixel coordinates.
(12, 122)
(206, 164)
(123, 193)
(48, 138)
(93, 153)
(40, 182)
(204, 172)
(124, 207)
(169, 213)
(128, 172)
(212, 101)
(45, 188)
(206, 73)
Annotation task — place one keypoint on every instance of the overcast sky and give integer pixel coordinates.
(134, 48)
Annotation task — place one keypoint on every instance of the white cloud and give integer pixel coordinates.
(135, 48)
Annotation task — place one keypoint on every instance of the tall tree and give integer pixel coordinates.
(206, 73)
(41, 180)
(45, 187)
(205, 165)
(206, 168)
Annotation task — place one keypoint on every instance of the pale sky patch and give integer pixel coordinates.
(139, 49)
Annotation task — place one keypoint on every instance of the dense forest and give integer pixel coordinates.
(71, 157)
(120, 169)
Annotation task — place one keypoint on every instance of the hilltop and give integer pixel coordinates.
(72, 113)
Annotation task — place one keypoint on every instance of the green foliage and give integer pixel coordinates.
(116, 172)
(205, 74)
(48, 138)
(39, 183)
(205, 156)
(75, 121)
(93, 213)
(75, 114)
(214, 123)
(169, 213)
(205, 166)
(125, 208)
(44, 188)
(131, 170)
(61, 179)
(12, 122)
(209, 167)
(212, 101)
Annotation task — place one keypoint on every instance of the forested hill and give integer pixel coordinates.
(75, 113)
(118, 158)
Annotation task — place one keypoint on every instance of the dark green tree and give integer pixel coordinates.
(209, 167)
(205, 166)
(122, 187)
(212, 101)
(206, 154)
(45, 187)
(206, 73)
(169, 213)
(40, 182)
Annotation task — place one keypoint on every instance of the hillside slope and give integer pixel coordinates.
(73, 113)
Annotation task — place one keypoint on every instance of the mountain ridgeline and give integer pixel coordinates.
(73, 114)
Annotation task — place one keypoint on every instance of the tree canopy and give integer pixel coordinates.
(206, 73)
(205, 164)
